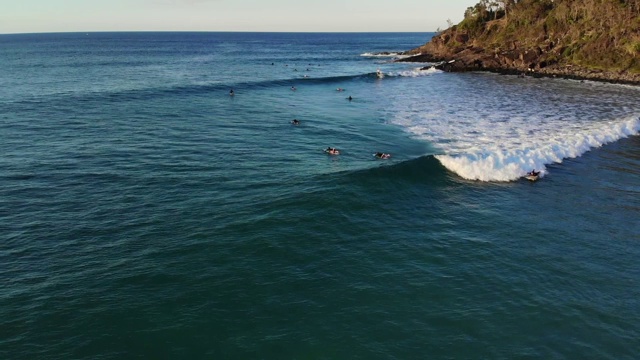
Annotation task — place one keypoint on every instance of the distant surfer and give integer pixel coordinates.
(339, 89)
(293, 88)
(380, 155)
(332, 151)
(349, 98)
(379, 74)
(231, 93)
(295, 122)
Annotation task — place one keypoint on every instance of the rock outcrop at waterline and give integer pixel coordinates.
(587, 39)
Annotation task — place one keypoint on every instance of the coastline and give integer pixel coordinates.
(474, 59)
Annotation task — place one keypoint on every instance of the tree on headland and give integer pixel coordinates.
(601, 35)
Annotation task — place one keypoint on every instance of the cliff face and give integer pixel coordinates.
(586, 39)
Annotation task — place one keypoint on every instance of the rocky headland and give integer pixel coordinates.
(578, 39)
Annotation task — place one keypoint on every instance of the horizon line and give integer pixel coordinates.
(213, 31)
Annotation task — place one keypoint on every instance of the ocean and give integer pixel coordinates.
(146, 213)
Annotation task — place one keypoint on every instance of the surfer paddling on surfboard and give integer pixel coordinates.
(332, 151)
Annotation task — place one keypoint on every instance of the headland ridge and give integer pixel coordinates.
(578, 39)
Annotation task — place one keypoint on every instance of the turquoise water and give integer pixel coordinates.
(145, 213)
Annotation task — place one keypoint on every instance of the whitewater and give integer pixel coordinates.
(501, 133)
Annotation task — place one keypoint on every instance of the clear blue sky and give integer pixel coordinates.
(27, 16)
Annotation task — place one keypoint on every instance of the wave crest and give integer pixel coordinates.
(508, 165)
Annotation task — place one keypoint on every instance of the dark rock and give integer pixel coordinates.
(462, 38)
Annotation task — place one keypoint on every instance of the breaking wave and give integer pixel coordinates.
(496, 164)
(498, 128)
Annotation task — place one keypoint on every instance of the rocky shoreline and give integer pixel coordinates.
(511, 62)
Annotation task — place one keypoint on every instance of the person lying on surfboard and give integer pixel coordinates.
(332, 151)
(380, 155)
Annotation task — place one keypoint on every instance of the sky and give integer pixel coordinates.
(37, 16)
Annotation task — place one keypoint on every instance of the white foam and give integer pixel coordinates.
(404, 56)
(505, 162)
(497, 128)
(416, 72)
(493, 128)
(386, 54)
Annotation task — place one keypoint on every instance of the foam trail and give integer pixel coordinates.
(495, 164)
(385, 54)
(416, 72)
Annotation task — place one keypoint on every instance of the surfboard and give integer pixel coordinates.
(532, 177)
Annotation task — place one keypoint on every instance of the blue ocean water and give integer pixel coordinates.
(145, 213)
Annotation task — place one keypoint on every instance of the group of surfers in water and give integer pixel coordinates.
(379, 155)
(334, 151)
(330, 150)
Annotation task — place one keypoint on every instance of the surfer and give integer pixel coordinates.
(295, 122)
(380, 155)
(349, 98)
(532, 175)
(293, 88)
(332, 151)
(231, 93)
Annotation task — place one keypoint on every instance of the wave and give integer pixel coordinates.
(496, 128)
(512, 164)
(144, 93)
(419, 170)
(497, 166)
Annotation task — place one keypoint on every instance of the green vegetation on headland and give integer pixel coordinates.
(583, 39)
